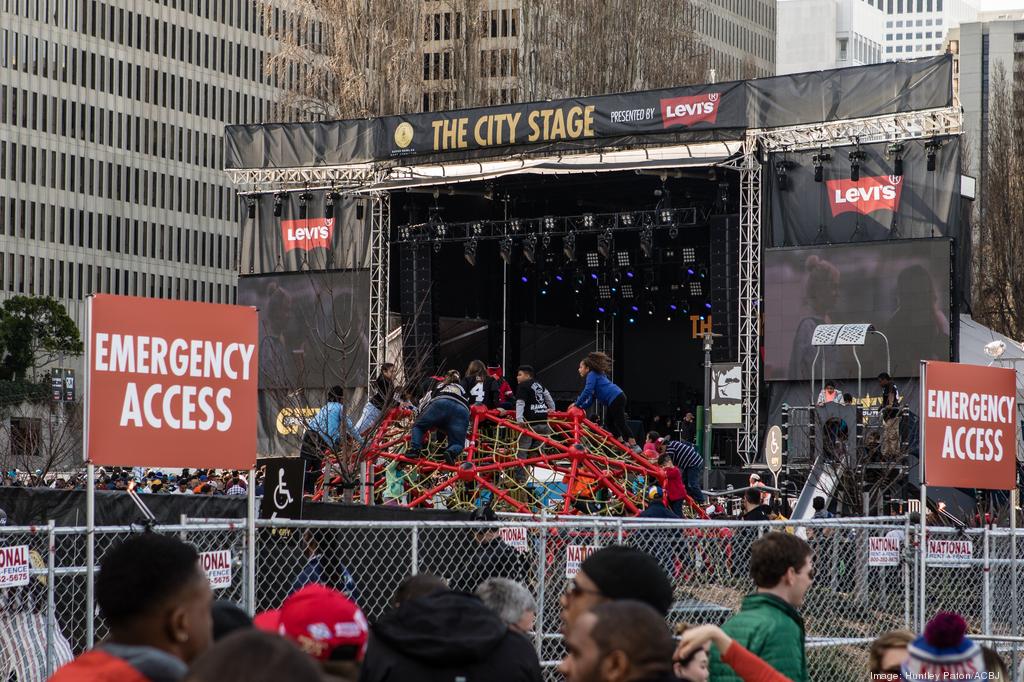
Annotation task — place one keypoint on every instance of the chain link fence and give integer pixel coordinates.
(862, 586)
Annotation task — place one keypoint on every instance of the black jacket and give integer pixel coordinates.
(444, 637)
(494, 558)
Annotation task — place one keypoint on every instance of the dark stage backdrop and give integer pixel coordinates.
(313, 335)
(901, 287)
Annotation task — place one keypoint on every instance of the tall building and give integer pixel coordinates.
(827, 34)
(977, 46)
(739, 36)
(112, 115)
(916, 28)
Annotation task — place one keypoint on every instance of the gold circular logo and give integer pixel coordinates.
(403, 135)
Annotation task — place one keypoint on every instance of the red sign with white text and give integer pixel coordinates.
(866, 195)
(312, 233)
(685, 111)
(171, 383)
(970, 426)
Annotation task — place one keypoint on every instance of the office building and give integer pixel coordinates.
(917, 28)
(828, 34)
(739, 36)
(112, 115)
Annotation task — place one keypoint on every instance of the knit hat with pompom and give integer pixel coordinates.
(943, 652)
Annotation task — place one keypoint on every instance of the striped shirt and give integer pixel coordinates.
(684, 455)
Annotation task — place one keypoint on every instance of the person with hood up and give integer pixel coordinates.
(489, 557)
(445, 636)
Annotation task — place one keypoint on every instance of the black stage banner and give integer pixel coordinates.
(699, 112)
(878, 205)
(303, 237)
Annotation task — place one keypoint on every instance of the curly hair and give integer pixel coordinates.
(598, 362)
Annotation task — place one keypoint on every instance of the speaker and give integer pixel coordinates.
(725, 277)
(416, 306)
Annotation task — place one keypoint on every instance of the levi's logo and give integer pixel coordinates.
(867, 195)
(685, 111)
(312, 233)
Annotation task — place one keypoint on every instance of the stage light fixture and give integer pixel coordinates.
(588, 220)
(723, 192)
(252, 208)
(932, 146)
(856, 157)
(524, 279)
(505, 249)
(696, 289)
(593, 260)
(819, 160)
(437, 247)
(604, 291)
(782, 174)
(304, 199)
(546, 241)
(650, 309)
(896, 151)
(530, 248)
(559, 278)
(604, 243)
(601, 309)
(569, 246)
(666, 216)
(477, 229)
(469, 251)
(626, 219)
(628, 291)
(329, 206)
(623, 258)
(278, 201)
(673, 232)
(516, 225)
(647, 242)
(689, 254)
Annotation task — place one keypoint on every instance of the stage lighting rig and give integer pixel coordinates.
(819, 160)
(569, 246)
(477, 229)
(622, 258)
(515, 225)
(647, 241)
(626, 220)
(782, 167)
(856, 157)
(932, 146)
(329, 205)
(530, 248)
(588, 220)
(723, 194)
(252, 208)
(469, 251)
(604, 291)
(304, 200)
(505, 249)
(896, 151)
(278, 200)
(604, 243)
(689, 254)
(628, 291)
(696, 289)
(665, 215)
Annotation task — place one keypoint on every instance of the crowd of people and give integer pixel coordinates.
(142, 480)
(613, 623)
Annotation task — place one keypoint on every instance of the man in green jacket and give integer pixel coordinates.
(769, 622)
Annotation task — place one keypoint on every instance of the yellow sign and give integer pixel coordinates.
(700, 326)
(292, 420)
(489, 130)
(403, 135)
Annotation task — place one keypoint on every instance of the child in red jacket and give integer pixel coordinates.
(675, 491)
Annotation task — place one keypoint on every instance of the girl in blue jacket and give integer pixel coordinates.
(595, 368)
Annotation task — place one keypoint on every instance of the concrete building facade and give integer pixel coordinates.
(826, 34)
(111, 124)
(917, 28)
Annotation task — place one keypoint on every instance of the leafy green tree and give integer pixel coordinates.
(33, 333)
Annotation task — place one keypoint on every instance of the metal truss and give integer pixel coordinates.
(892, 127)
(264, 180)
(437, 230)
(380, 281)
(750, 298)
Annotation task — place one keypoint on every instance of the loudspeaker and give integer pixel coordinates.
(725, 277)
(416, 306)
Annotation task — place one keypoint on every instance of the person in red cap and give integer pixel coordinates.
(325, 624)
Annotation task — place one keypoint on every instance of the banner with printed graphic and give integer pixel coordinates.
(696, 112)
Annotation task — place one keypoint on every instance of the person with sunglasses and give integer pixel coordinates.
(615, 573)
(769, 624)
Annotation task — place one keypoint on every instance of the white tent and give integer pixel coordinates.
(973, 338)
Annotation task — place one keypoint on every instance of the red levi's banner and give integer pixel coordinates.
(171, 383)
(308, 234)
(867, 195)
(970, 426)
(685, 111)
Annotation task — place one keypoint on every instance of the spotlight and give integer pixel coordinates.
(628, 292)
(569, 246)
(696, 289)
(665, 215)
(530, 248)
(524, 279)
(437, 247)
(819, 160)
(505, 248)
(673, 232)
(546, 241)
(623, 258)
(896, 150)
(477, 228)
(252, 208)
(626, 219)
(932, 146)
(278, 200)
(604, 291)
(782, 174)
(588, 220)
(723, 192)
(647, 242)
(604, 243)
(516, 225)
(856, 157)
(329, 206)
(304, 199)
(469, 251)
(689, 254)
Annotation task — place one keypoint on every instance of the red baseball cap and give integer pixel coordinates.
(319, 620)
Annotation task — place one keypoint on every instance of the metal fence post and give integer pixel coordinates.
(51, 607)
(906, 574)
(986, 578)
(250, 544)
(542, 554)
(415, 548)
(90, 555)
(618, 531)
(1015, 631)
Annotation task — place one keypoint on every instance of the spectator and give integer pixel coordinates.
(511, 601)
(182, 488)
(227, 618)
(675, 491)
(890, 414)
(613, 573)
(656, 508)
(995, 666)
(753, 510)
(888, 652)
(253, 656)
(690, 666)
(490, 556)
(416, 586)
(157, 603)
(323, 567)
(690, 464)
(651, 446)
(688, 428)
(943, 652)
(820, 508)
(236, 487)
(382, 394)
(445, 636)
(623, 641)
(768, 623)
(847, 399)
(325, 624)
(829, 394)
